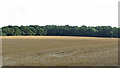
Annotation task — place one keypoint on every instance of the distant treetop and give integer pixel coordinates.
(54, 30)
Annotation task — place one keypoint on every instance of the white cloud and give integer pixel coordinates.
(59, 12)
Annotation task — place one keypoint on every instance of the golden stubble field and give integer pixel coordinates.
(59, 51)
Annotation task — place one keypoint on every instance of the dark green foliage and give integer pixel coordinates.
(53, 30)
(0, 32)
(8, 31)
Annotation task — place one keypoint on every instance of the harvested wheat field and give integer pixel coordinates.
(59, 51)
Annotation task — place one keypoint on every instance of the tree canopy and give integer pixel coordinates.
(54, 30)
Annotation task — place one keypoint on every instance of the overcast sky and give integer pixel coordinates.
(59, 12)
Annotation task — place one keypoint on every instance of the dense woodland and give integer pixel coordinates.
(53, 30)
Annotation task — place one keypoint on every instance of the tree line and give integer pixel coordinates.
(54, 30)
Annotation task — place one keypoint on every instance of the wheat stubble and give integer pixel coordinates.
(59, 51)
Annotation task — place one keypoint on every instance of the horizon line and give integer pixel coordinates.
(60, 25)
